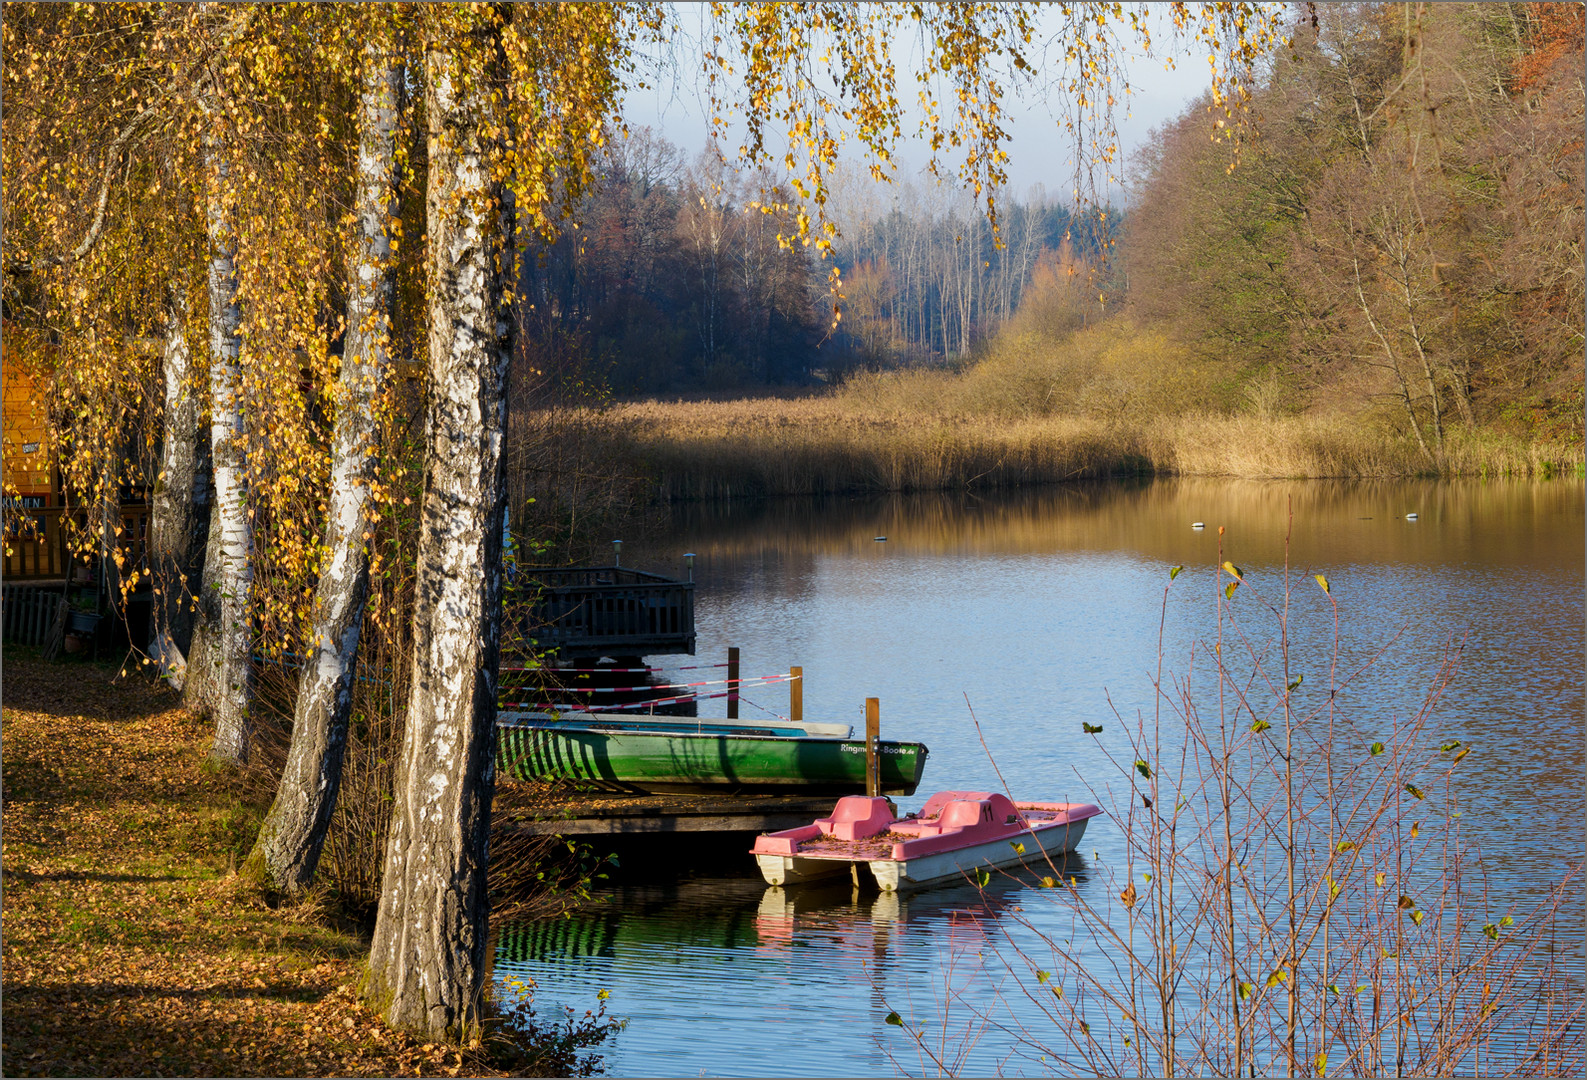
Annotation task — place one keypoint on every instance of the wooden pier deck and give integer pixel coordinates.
(573, 813)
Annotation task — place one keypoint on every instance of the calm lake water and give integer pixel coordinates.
(1041, 610)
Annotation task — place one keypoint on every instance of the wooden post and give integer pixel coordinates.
(873, 731)
(732, 683)
(796, 694)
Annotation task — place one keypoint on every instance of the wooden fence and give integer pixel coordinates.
(28, 611)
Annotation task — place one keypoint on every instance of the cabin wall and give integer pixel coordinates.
(25, 464)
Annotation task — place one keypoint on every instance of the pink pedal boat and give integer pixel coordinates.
(956, 832)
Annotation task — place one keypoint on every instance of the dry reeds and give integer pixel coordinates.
(1316, 447)
(874, 439)
(1044, 403)
(723, 451)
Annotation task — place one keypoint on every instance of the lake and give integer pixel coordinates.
(1040, 610)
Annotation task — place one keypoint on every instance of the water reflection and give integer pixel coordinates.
(702, 966)
(785, 913)
(734, 912)
(1046, 609)
(1497, 522)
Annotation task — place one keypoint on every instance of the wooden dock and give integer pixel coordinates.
(607, 611)
(605, 814)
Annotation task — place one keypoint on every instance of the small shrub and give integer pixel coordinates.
(1299, 892)
(520, 1042)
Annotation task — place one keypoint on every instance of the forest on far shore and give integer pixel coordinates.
(675, 280)
(1399, 234)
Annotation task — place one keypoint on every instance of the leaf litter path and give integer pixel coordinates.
(126, 945)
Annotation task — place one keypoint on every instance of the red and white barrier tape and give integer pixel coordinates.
(750, 680)
(560, 707)
(607, 670)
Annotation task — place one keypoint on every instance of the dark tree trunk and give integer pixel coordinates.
(201, 674)
(427, 962)
(289, 844)
(181, 502)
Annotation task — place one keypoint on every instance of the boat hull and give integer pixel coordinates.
(704, 761)
(895, 875)
(957, 835)
(796, 870)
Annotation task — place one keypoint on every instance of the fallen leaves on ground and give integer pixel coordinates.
(129, 947)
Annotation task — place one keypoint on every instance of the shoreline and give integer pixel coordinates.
(708, 450)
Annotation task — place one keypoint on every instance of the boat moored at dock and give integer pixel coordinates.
(955, 833)
(684, 754)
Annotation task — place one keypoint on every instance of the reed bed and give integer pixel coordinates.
(874, 441)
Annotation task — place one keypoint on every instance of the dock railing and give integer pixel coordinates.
(641, 695)
(606, 611)
(34, 547)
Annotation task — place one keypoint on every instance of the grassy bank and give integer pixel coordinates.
(870, 437)
(131, 947)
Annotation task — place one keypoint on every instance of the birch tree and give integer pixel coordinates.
(515, 101)
(703, 226)
(179, 518)
(428, 953)
(222, 637)
(289, 843)
(97, 242)
(265, 124)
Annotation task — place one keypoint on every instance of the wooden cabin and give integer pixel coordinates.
(34, 549)
(38, 573)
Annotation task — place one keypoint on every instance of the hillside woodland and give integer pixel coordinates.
(1399, 239)
(1381, 273)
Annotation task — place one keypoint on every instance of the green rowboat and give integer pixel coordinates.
(685, 755)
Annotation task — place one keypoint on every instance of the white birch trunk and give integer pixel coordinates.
(289, 844)
(181, 494)
(427, 962)
(201, 673)
(228, 569)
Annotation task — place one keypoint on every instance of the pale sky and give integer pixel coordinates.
(1040, 153)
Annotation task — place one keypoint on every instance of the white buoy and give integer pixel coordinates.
(1410, 517)
(1198, 524)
